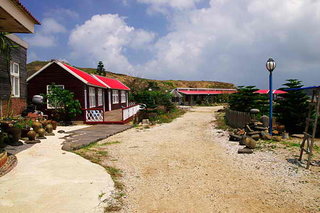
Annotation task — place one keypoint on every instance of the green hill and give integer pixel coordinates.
(142, 83)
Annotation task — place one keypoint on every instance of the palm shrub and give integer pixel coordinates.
(292, 108)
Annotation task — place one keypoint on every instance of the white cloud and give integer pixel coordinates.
(228, 41)
(231, 40)
(45, 37)
(105, 37)
(40, 40)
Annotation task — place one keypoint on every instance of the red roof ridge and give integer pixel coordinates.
(110, 82)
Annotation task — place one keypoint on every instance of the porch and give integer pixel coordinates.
(118, 116)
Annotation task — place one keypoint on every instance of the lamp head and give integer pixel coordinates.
(270, 65)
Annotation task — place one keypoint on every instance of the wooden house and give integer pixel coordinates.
(103, 100)
(14, 18)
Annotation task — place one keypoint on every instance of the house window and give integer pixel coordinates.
(115, 97)
(49, 104)
(123, 97)
(15, 80)
(100, 97)
(92, 97)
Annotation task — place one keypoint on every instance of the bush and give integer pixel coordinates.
(65, 106)
(154, 99)
(245, 99)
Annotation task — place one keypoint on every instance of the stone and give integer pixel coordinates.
(254, 111)
(234, 137)
(265, 120)
(260, 128)
(145, 122)
(61, 131)
(250, 143)
(285, 135)
(32, 141)
(275, 132)
(245, 151)
(277, 138)
(297, 136)
(256, 137)
(265, 135)
(248, 128)
(253, 133)
(243, 140)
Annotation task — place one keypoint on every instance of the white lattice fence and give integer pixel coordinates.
(94, 115)
(129, 112)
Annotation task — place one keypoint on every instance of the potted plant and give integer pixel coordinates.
(14, 132)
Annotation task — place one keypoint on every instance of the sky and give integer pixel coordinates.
(218, 40)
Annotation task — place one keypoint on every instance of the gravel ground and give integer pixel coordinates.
(189, 166)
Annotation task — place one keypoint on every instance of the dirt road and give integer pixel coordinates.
(185, 167)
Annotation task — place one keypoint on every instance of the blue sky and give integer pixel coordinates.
(219, 40)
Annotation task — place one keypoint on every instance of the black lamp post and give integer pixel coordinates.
(270, 65)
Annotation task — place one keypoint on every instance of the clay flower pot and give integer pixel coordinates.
(15, 134)
(32, 135)
(54, 124)
(36, 126)
(41, 133)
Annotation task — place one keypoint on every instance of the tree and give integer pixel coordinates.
(100, 69)
(63, 102)
(291, 109)
(245, 99)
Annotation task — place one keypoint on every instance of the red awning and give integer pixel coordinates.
(112, 83)
(206, 92)
(266, 91)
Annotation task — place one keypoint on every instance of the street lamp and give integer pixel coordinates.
(270, 65)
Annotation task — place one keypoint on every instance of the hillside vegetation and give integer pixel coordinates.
(141, 83)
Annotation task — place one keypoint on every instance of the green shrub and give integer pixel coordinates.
(65, 106)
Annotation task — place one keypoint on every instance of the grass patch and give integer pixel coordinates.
(221, 121)
(168, 117)
(110, 143)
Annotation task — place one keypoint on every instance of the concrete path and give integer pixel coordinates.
(48, 179)
(82, 137)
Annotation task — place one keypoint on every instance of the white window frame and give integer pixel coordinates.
(49, 106)
(15, 79)
(115, 96)
(92, 97)
(123, 96)
(100, 99)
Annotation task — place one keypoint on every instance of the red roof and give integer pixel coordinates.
(206, 92)
(112, 83)
(266, 91)
(85, 76)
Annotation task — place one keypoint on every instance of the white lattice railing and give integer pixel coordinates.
(94, 115)
(129, 112)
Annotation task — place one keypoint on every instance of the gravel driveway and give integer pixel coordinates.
(188, 166)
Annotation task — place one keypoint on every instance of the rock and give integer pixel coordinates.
(276, 138)
(260, 128)
(297, 136)
(265, 120)
(145, 122)
(61, 131)
(256, 137)
(250, 143)
(234, 137)
(245, 151)
(243, 140)
(248, 128)
(265, 135)
(253, 133)
(285, 135)
(275, 132)
(240, 132)
(254, 111)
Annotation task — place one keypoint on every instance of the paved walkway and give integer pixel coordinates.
(48, 179)
(83, 137)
